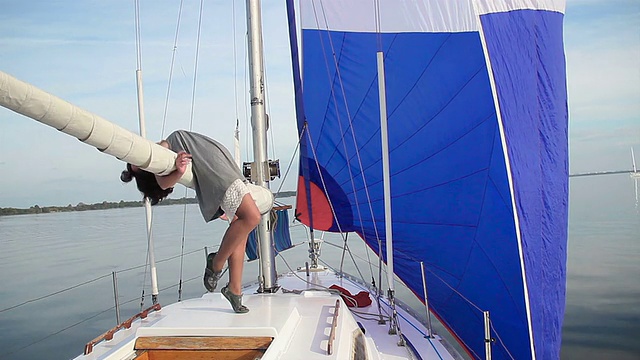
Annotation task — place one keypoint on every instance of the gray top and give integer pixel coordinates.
(213, 169)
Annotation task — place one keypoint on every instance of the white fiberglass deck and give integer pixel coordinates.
(300, 323)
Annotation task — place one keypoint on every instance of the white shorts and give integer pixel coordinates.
(233, 198)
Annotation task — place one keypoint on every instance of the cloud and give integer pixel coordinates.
(84, 52)
(603, 57)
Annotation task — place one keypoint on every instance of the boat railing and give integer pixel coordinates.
(491, 336)
(88, 348)
(40, 300)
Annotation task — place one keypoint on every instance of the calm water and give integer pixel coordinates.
(43, 254)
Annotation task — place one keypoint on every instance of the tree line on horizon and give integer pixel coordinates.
(36, 209)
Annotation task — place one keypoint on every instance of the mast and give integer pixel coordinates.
(260, 167)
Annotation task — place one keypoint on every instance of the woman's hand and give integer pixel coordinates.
(182, 161)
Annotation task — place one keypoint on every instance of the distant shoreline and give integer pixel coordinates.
(36, 209)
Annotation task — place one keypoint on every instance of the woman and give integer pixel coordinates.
(220, 189)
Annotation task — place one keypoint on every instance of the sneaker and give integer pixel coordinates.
(234, 300)
(211, 277)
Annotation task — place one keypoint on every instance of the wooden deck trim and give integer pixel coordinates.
(88, 348)
(334, 325)
(203, 343)
(200, 355)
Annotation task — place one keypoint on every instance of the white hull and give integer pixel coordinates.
(299, 323)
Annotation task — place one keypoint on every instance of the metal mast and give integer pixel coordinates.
(260, 167)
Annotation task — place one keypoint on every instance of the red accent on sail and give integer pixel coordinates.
(322, 216)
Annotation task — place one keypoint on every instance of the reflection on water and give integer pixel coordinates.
(603, 283)
(41, 254)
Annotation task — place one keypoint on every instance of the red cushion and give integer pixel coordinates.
(362, 299)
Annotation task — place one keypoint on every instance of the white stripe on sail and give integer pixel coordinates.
(514, 207)
(107, 137)
(395, 15)
(409, 15)
(496, 6)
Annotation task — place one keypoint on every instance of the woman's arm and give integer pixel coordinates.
(182, 160)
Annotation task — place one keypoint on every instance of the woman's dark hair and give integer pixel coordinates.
(146, 183)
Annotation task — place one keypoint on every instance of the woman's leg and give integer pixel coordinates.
(234, 242)
(236, 265)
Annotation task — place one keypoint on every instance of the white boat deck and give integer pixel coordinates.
(299, 322)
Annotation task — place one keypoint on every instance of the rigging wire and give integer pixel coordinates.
(504, 346)
(146, 268)
(59, 331)
(293, 157)
(346, 247)
(319, 287)
(92, 316)
(182, 243)
(350, 120)
(171, 67)
(139, 68)
(195, 66)
(235, 82)
(268, 104)
(324, 186)
(88, 318)
(281, 254)
(235, 61)
(54, 293)
(191, 118)
(453, 289)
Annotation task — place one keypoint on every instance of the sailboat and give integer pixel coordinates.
(434, 130)
(635, 175)
(634, 169)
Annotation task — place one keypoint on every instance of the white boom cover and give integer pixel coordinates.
(89, 128)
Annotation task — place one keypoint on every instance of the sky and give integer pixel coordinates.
(85, 53)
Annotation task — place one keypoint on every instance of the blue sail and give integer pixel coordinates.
(477, 116)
